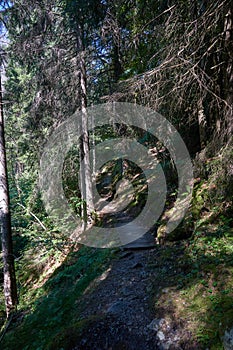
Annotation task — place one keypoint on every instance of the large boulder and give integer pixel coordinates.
(183, 226)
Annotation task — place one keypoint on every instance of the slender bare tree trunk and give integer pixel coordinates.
(202, 124)
(10, 288)
(93, 144)
(228, 83)
(85, 168)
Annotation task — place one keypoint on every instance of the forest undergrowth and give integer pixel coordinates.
(193, 286)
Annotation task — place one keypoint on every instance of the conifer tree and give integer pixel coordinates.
(10, 288)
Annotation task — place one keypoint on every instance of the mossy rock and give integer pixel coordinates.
(183, 231)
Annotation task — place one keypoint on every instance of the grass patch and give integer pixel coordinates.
(52, 307)
(196, 284)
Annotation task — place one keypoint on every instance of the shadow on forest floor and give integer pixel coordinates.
(179, 294)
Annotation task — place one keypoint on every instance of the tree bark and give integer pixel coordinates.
(85, 168)
(10, 288)
(202, 123)
(228, 76)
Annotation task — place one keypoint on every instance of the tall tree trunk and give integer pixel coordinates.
(202, 124)
(10, 288)
(117, 67)
(85, 169)
(228, 76)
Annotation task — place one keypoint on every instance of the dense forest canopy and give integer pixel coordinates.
(61, 57)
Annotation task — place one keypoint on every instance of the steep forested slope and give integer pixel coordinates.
(64, 56)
